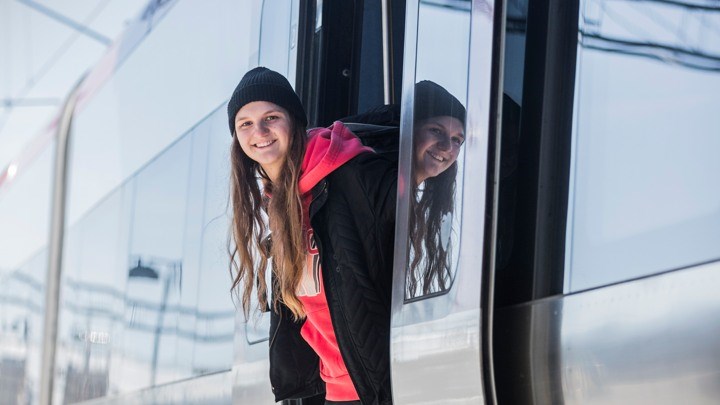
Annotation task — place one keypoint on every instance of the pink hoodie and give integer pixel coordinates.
(327, 149)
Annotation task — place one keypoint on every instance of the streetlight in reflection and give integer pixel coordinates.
(173, 272)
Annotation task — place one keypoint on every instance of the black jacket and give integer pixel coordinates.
(353, 217)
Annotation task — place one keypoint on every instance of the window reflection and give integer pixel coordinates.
(438, 138)
(278, 36)
(157, 239)
(644, 197)
(92, 301)
(21, 322)
(215, 321)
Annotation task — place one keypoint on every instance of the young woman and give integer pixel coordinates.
(321, 209)
(439, 133)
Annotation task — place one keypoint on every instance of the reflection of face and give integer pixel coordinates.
(263, 131)
(437, 144)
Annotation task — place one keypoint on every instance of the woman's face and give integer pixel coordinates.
(437, 144)
(263, 130)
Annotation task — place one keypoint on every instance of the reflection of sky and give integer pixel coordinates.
(25, 213)
(42, 56)
(442, 53)
(114, 137)
(646, 140)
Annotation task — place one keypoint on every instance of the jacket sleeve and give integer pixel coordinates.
(379, 181)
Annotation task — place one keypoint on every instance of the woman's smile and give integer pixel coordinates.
(436, 157)
(265, 144)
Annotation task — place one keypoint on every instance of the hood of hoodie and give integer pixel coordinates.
(327, 149)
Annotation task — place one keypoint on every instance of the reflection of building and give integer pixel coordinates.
(83, 384)
(12, 381)
(95, 318)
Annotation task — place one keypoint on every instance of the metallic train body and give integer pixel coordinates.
(572, 284)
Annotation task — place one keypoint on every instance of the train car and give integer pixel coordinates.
(583, 246)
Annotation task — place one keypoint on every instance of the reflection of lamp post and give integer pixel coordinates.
(141, 271)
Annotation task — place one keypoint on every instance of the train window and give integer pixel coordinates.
(205, 251)
(438, 135)
(157, 269)
(644, 195)
(94, 267)
(278, 36)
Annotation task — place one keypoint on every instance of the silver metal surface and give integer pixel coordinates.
(652, 340)
(489, 301)
(55, 248)
(387, 52)
(213, 389)
(251, 366)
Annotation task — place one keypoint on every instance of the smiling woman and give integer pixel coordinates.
(284, 215)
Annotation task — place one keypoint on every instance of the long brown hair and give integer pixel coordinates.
(430, 265)
(252, 248)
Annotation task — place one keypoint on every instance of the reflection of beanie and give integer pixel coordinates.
(432, 100)
(263, 84)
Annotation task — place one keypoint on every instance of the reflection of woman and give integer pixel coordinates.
(330, 205)
(438, 135)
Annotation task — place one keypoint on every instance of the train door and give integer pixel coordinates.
(436, 343)
(606, 223)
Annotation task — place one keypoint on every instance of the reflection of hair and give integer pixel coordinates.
(251, 251)
(430, 262)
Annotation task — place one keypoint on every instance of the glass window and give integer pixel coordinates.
(278, 36)
(215, 325)
(92, 300)
(22, 302)
(644, 195)
(155, 278)
(25, 201)
(438, 136)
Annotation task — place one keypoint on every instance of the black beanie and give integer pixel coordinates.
(263, 84)
(432, 100)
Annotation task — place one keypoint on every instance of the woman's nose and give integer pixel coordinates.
(443, 143)
(261, 128)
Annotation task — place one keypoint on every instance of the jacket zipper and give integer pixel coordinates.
(272, 340)
(334, 323)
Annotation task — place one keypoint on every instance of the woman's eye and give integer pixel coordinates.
(458, 141)
(245, 124)
(271, 118)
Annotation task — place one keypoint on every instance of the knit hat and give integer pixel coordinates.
(432, 100)
(263, 84)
